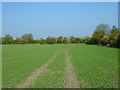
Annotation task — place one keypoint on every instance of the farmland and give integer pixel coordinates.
(59, 66)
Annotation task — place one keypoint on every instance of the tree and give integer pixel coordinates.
(72, 39)
(48, 40)
(51, 40)
(81, 40)
(66, 40)
(27, 38)
(118, 40)
(87, 40)
(7, 39)
(43, 41)
(36, 41)
(114, 36)
(77, 40)
(30, 38)
(0, 40)
(104, 40)
(54, 40)
(24, 39)
(18, 40)
(60, 40)
(100, 31)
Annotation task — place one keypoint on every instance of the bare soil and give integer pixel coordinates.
(70, 76)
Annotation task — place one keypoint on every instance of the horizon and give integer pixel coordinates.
(57, 19)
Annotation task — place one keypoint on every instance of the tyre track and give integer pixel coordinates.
(35, 74)
(70, 76)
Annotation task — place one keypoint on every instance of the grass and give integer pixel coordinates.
(0, 67)
(54, 77)
(95, 66)
(16, 69)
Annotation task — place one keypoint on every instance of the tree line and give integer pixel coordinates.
(103, 35)
(28, 39)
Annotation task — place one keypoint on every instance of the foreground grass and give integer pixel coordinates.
(54, 77)
(16, 69)
(0, 66)
(95, 66)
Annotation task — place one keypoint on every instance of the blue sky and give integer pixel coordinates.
(55, 19)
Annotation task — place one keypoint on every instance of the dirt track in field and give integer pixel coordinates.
(70, 76)
(35, 74)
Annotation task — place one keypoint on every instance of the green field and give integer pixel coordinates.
(44, 66)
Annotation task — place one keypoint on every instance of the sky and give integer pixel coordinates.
(56, 18)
